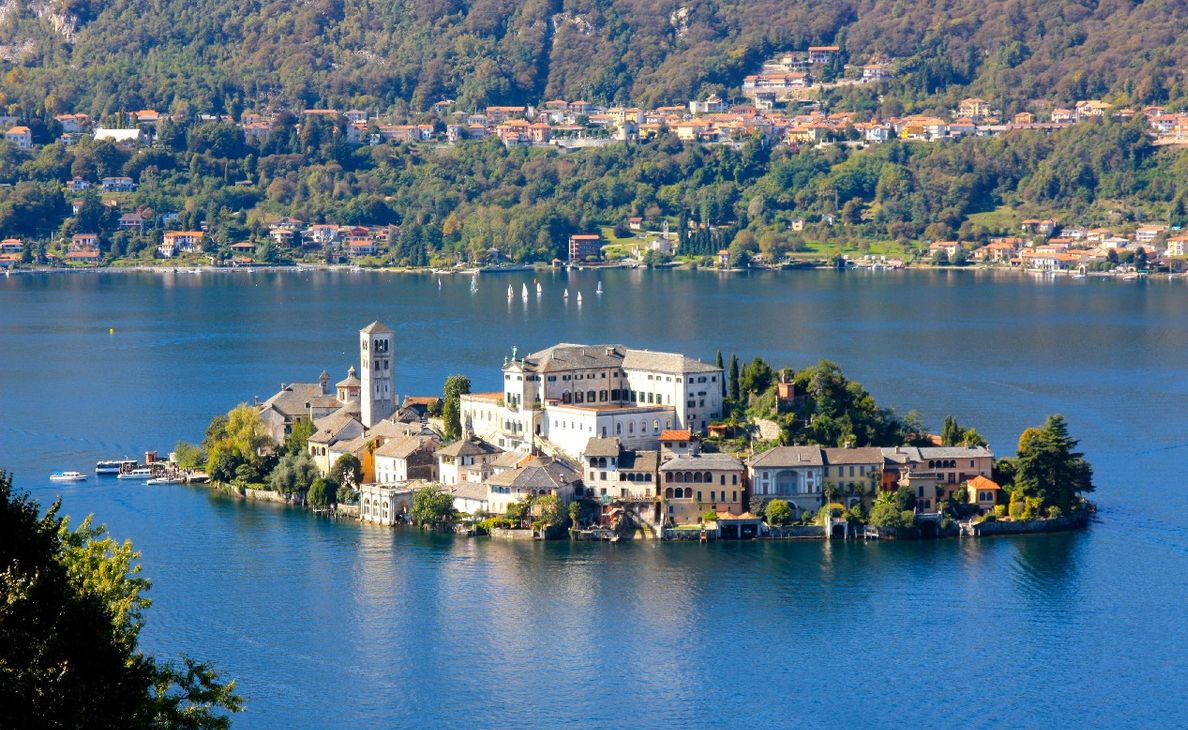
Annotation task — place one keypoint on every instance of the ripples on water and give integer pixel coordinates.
(330, 625)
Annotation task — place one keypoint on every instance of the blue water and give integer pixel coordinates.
(328, 625)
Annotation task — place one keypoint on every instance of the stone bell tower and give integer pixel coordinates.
(377, 392)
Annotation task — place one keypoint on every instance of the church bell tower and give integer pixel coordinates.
(377, 396)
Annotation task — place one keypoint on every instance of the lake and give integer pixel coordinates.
(339, 624)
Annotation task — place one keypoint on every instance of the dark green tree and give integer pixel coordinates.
(70, 619)
(734, 378)
(347, 470)
(1047, 466)
(455, 387)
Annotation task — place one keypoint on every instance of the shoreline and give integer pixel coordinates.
(1080, 520)
(422, 271)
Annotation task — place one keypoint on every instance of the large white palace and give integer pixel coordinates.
(567, 394)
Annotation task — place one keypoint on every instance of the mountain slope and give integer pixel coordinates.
(220, 55)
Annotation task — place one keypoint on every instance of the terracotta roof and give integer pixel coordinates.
(981, 482)
(675, 434)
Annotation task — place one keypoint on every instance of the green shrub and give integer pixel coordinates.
(1000, 510)
(1054, 512)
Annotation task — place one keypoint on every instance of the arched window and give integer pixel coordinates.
(565, 397)
(618, 429)
(687, 478)
(668, 477)
(631, 427)
(656, 424)
(708, 478)
(668, 492)
(697, 477)
(932, 465)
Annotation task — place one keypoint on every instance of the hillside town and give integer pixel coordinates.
(777, 108)
(628, 433)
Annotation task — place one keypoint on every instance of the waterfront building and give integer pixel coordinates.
(378, 384)
(385, 504)
(854, 475)
(618, 473)
(534, 476)
(694, 485)
(983, 492)
(561, 397)
(469, 499)
(794, 474)
(934, 473)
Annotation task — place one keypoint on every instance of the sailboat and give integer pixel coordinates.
(566, 294)
(599, 289)
(511, 294)
(579, 297)
(439, 284)
(539, 290)
(524, 292)
(473, 284)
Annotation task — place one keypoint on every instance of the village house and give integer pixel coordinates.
(174, 242)
(533, 476)
(974, 108)
(466, 460)
(1176, 245)
(1039, 227)
(823, 54)
(1146, 234)
(983, 493)
(132, 221)
(406, 458)
(949, 248)
(12, 245)
(934, 473)
(20, 137)
(73, 123)
(615, 472)
(875, 72)
(119, 184)
(84, 242)
(694, 485)
(794, 474)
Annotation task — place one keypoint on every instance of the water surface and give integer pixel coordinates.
(341, 624)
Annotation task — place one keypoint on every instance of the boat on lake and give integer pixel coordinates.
(524, 292)
(511, 293)
(539, 289)
(165, 480)
(68, 476)
(579, 298)
(140, 472)
(599, 289)
(111, 467)
(566, 294)
(474, 283)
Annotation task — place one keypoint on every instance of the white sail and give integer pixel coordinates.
(599, 289)
(473, 284)
(510, 292)
(539, 289)
(524, 292)
(579, 297)
(566, 294)
(439, 284)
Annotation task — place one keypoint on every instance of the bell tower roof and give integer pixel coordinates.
(377, 328)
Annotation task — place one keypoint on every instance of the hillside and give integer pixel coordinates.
(101, 56)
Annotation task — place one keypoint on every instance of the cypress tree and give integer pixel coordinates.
(734, 377)
(718, 364)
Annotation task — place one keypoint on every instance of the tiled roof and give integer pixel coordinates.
(788, 456)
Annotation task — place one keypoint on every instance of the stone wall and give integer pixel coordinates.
(511, 534)
(1074, 521)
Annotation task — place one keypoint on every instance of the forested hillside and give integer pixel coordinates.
(99, 56)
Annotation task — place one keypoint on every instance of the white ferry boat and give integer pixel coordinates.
(140, 472)
(68, 476)
(114, 466)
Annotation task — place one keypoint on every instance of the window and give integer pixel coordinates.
(713, 496)
(721, 478)
(602, 476)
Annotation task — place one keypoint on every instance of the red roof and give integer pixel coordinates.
(674, 434)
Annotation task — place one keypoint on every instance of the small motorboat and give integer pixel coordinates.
(165, 480)
(68, 476)
(599, 289)
(140, 472)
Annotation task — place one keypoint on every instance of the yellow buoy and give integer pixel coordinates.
(111, 330)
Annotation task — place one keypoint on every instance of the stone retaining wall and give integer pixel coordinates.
(796, 532)
(1075, 521)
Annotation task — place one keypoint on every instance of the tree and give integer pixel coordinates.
(952, 434)
(294, 473)
(455, 387)
(1048, 468)
(888, 512)
(718, 364)
(70, 621)
(298, 438)
(734, 384)
(575, 513)
(757, 377)
(188, 455)
(431, 506)
(552, 511)
(779, 513)
(347, 470)
(322, 493)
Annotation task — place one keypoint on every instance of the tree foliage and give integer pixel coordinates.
(1049, 469)
(455, 387)
(72, 610)
(347, 470)
(431, 506)
(294, 473)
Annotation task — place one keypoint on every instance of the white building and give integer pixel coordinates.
(791, 473)
(405, 458)
(568, 394)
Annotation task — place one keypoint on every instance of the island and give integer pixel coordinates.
(610, 442)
